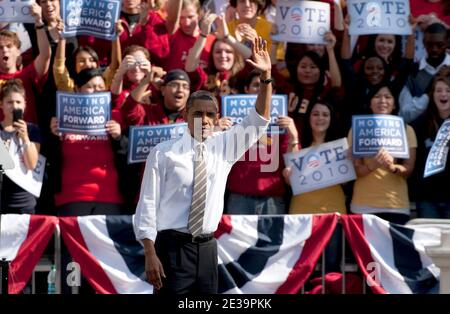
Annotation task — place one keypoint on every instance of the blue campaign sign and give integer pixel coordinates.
(372, 132)
(90, 17)
(437, 157)
(237, 108)
(83, 113)
(143, 138)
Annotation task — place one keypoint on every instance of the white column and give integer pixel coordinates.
(440, 254)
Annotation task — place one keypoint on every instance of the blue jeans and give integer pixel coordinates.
(238, 204)
(433, 209)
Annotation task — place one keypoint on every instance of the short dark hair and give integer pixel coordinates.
(373, 90)
(86, 75)
(436, 28)
(260, 3)
(201, 95)
(73, 60)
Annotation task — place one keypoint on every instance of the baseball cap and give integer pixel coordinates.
(176, 74)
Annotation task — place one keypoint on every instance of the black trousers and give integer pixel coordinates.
(190, 267)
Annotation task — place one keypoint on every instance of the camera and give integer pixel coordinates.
(17, 115)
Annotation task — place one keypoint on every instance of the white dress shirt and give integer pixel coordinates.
(166, 190)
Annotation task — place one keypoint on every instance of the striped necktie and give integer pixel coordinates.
(198, 193)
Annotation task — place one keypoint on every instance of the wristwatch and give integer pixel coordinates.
(269, 80)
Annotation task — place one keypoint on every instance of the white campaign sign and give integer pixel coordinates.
(16, 11)
(320, 166)
(379, 17)
(29, 180)
(302, 21)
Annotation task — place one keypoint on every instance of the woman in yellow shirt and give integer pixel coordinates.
(250, 24)
(84, 57)
(381, 187)
(321, 128)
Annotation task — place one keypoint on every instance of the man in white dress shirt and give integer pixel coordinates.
(181, 200)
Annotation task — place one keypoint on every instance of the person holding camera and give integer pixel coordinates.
(22, 141)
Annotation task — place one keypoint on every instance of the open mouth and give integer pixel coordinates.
(5, 58)
(179, 97)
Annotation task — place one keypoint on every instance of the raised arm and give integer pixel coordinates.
(116, 52)
(346, 52)
(61, 75)
(193, 58)
(42, 61)
(127, 63)
(173, 15)
(336, 79)
(261, 61)
(141, 91)
(411, 39)
(224, 34)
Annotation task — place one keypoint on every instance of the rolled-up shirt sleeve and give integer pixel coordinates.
(244, 135)
(146, 210)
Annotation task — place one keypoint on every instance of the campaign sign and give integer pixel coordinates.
(83, 113)
(238, 106)
(379, 17)
(437, 157)
(320, 166)
(143, 138)
(90, 17)
(16, 11)
(372, 132)
(302, 21)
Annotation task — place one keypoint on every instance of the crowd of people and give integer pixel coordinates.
(167, 49)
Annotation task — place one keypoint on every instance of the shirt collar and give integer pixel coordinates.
(424, 65)
(190, 142)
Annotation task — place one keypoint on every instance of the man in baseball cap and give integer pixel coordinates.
(176, 74)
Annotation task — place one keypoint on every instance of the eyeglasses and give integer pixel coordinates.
(175, 85)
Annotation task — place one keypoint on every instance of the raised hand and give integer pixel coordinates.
(260, 57)
(330, 40)
(36, 12)
(127, 63)
(247, 32)
(206, 22)
(222, 28)
(158, 74)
